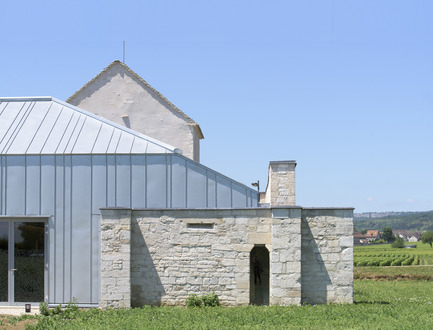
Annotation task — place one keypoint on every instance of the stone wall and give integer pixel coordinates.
(180, 252)
(327, 256)
(175, 253)
(115, 259)
(286, 256)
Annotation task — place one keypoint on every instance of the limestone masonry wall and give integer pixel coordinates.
(286, 257)
(115, 259)
(175, 253)
(327, 256)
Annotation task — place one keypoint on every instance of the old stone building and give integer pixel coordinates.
(95, 211)
(120, 95)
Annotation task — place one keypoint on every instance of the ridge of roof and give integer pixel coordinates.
(92, 115)
(26, 98)
(145, 83)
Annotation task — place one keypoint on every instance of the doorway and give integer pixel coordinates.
(22, 260)
(259, 275)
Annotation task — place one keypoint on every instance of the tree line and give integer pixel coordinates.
(417, 221)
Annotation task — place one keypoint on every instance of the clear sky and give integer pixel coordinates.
(343, 87)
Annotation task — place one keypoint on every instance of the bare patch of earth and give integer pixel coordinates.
(6, 323)
(392, 277)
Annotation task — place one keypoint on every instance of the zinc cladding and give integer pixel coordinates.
(62, 164)
(129, 168)
(45, 125)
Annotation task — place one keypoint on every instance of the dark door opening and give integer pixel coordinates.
(22, 259)
(259, 275)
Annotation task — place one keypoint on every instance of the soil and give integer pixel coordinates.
(392, 277)
(17, 326)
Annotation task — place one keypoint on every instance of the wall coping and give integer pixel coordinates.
(329, 208)
(226, 209)
(282, 162)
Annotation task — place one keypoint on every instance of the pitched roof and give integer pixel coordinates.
(45, 125)
(146, 85)
(372, 233)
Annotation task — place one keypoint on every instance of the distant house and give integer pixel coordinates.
(123, 97)
(407, 236)
(414, 237)
(372, 235)
(359, 239)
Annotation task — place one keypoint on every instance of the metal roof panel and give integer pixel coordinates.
(44, 125)
(103, 139)
(8, 123)
(125, 144)
(89, 132)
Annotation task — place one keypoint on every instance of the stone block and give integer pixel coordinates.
(279, 292)
(347, 254)
(259, 238)
(278, 268)
(346, 241)
(242, 300)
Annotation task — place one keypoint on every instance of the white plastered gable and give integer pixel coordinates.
(121, 96)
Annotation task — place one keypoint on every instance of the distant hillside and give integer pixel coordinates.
(367, 215)
(412, 221)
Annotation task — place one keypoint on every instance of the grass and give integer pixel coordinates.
(378, 305)
(394, 298)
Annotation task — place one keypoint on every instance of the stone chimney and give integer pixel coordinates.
(280, 190)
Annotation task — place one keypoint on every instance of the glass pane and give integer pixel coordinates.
(29, 261)
(4, 240)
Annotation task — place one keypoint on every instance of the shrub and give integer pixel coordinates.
(193, 301)
(398, 243)
(69, 311)
(44, 309)
(210, 300)
(207, 300)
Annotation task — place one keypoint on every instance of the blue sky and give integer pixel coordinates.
(343, 87)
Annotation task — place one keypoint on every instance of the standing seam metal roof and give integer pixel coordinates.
(45, 125)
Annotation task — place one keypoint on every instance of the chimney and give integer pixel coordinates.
(281, 184)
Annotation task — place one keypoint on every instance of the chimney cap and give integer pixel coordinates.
(282, 162)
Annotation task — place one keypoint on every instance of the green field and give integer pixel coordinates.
(374, 255)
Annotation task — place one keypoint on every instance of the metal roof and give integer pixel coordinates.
(45, 125)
